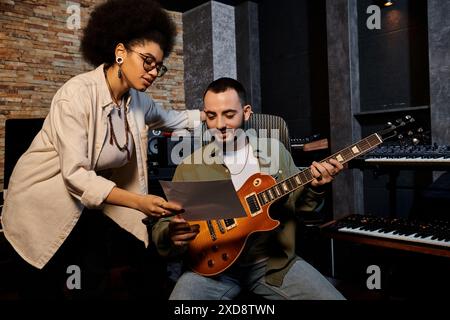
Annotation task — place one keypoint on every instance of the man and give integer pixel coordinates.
(268, 265)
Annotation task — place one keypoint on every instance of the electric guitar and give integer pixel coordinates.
(220, 242)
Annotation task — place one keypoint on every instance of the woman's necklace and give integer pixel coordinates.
(117, 103)
(112, 135)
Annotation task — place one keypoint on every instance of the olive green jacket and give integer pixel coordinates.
(206, 164)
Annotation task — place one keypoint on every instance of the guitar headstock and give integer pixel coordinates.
(400, 129)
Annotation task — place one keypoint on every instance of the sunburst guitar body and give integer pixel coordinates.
(220, 242)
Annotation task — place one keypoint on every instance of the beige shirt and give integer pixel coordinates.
(55, 179)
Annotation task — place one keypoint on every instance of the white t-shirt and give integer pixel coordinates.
(242, 164)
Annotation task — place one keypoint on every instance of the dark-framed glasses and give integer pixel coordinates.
(150, 64)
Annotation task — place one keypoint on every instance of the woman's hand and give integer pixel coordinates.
(324, 172)
(181, 232)
(152, 206)
(157, 207)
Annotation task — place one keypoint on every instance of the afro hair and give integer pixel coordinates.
(129, 22)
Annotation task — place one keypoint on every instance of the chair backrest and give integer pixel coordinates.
(269, 126)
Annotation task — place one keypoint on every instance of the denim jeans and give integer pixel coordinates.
(302, 282)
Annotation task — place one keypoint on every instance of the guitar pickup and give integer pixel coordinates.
(230, 223)
(253, 204)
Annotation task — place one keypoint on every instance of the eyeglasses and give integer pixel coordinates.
(150, 64)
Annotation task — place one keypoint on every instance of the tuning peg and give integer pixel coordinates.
(410, 133)
(415, 141)
(400, 136)
(420, 130)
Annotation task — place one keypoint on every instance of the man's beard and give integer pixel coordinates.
(235, 137)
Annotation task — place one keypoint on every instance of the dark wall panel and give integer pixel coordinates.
(393, 60)
(294, 82)
(394, 75)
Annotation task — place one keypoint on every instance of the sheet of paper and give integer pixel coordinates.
(205, 200)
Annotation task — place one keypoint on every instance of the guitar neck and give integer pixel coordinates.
(305, 176)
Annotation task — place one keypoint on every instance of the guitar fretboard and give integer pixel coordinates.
(305, 176)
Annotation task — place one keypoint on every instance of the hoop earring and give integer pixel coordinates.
(119, 61)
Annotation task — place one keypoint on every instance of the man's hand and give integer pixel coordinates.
(181, 232)
(324, 172)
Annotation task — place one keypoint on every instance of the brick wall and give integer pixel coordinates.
(39, 52)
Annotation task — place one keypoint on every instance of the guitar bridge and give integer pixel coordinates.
(253, 204)
(212, 233)
(220, 225)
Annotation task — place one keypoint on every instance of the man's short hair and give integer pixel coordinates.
(224, 84)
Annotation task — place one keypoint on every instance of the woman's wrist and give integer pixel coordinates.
(138, 202)
(124, 198)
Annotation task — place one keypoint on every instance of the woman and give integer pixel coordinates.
(91, 154)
